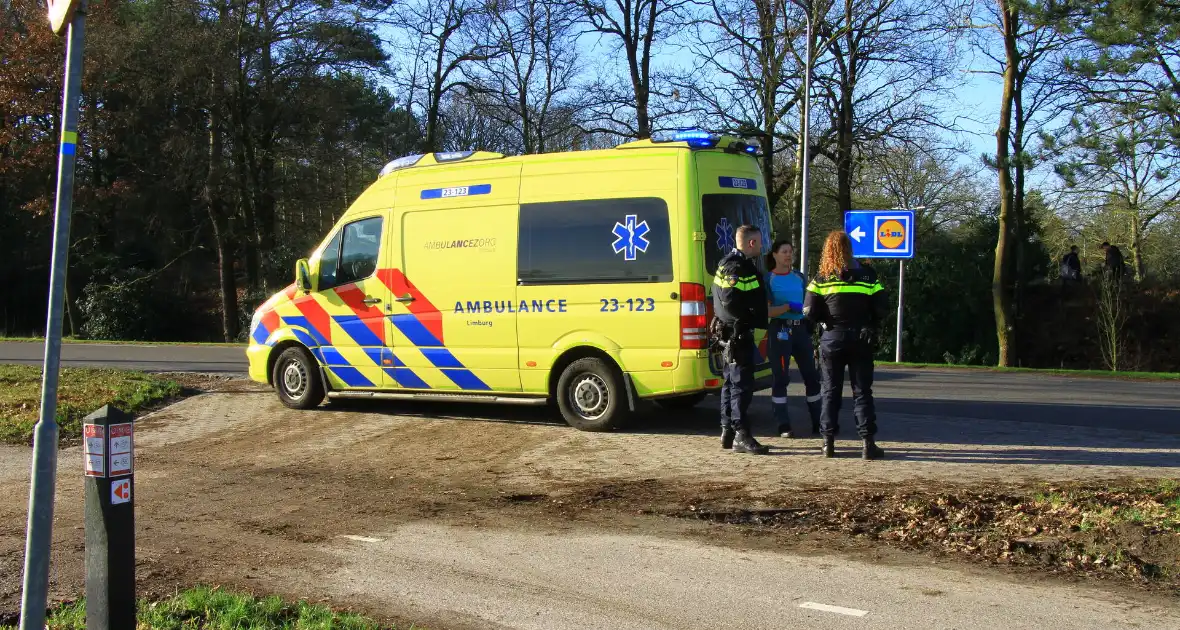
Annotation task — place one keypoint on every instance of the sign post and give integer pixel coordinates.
(884, 234)
(110, 519)
(63, 15)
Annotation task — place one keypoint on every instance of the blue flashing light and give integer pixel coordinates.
(688, 135)
(752, 149)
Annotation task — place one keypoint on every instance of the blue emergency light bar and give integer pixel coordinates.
(703, 139)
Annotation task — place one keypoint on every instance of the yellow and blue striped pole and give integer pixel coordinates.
(44, 474)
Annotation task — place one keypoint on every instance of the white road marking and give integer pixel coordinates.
(834, 609)
(361, 538)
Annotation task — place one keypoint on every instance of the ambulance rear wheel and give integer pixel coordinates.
(590, 395)
(296, 378)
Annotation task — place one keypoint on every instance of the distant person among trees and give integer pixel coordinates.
(1114, 267)
(1071, 266)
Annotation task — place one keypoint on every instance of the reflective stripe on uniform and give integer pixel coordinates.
(829, 288)
(778, 400)
(744, 283)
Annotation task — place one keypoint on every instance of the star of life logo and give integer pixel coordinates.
(725, 239)
(631, 237)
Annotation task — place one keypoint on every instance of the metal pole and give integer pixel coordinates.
(900, 297)
(39, 534)
(805, 129)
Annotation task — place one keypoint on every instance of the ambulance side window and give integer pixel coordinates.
(722, 214)
(596, 241)
(358, 252)
(328, 261)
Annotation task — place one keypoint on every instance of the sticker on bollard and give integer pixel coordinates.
(94, 450)
(120, 449)
(110, 522)
(120, 491)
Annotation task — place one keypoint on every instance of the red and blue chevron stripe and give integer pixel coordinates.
(422, 326)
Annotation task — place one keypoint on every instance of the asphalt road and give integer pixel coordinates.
(145, 358)
(1146, 406)
(497, 578)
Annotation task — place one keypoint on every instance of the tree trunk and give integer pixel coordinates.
(1001, 299)
(844, 138)
(1137, 248)
(1019, 219)
(215, 203)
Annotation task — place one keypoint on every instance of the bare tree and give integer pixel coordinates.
(448, 39)
(531, 87)
(925, 176)
(1111, 321)
(635, 27)
(749, 76)
(889, 59)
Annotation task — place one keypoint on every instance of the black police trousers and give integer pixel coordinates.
(840, 349)
(737, 391)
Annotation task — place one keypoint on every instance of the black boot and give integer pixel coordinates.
(745, 443)
(829, 447)
(784, 430)
(871, 450)
(726, 438)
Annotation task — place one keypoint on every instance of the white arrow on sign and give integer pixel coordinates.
(858, 234)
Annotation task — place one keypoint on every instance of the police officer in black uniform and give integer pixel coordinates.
(740, 306)
(849, 303)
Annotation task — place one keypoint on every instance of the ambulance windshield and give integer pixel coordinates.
(723, 213)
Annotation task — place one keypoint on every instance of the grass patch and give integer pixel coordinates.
(216, 609)
(1153, 505)
(81, 391)
(1141, 376)
(127, 343)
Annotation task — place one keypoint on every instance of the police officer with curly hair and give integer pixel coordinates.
(740, 305)
(849, 303)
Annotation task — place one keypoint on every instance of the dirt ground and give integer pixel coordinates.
(231, 487)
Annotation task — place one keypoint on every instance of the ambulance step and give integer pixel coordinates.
(450, 397)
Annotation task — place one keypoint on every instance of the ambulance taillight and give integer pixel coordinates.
(693, 317)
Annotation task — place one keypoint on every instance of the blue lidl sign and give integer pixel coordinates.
(880, 233)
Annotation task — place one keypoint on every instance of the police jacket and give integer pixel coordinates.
(853, 300)
(739, 299)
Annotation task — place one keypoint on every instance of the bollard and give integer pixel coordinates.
(110, 519)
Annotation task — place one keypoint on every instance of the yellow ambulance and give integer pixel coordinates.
(581, 278)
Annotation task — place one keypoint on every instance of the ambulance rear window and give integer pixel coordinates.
(723, 214)
(596, 241)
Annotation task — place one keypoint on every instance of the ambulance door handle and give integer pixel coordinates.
(371, 301)
(405, 299)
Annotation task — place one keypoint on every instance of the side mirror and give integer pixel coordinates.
(303, 275)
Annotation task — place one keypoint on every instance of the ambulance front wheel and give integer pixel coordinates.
(296, 378)
(590, 394)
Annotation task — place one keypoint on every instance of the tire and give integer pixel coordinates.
(681, 403)
(591, 395)
(296, 379)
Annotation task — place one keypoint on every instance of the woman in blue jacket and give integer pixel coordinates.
(789, 336)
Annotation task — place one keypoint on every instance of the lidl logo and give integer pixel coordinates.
(891, 234)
